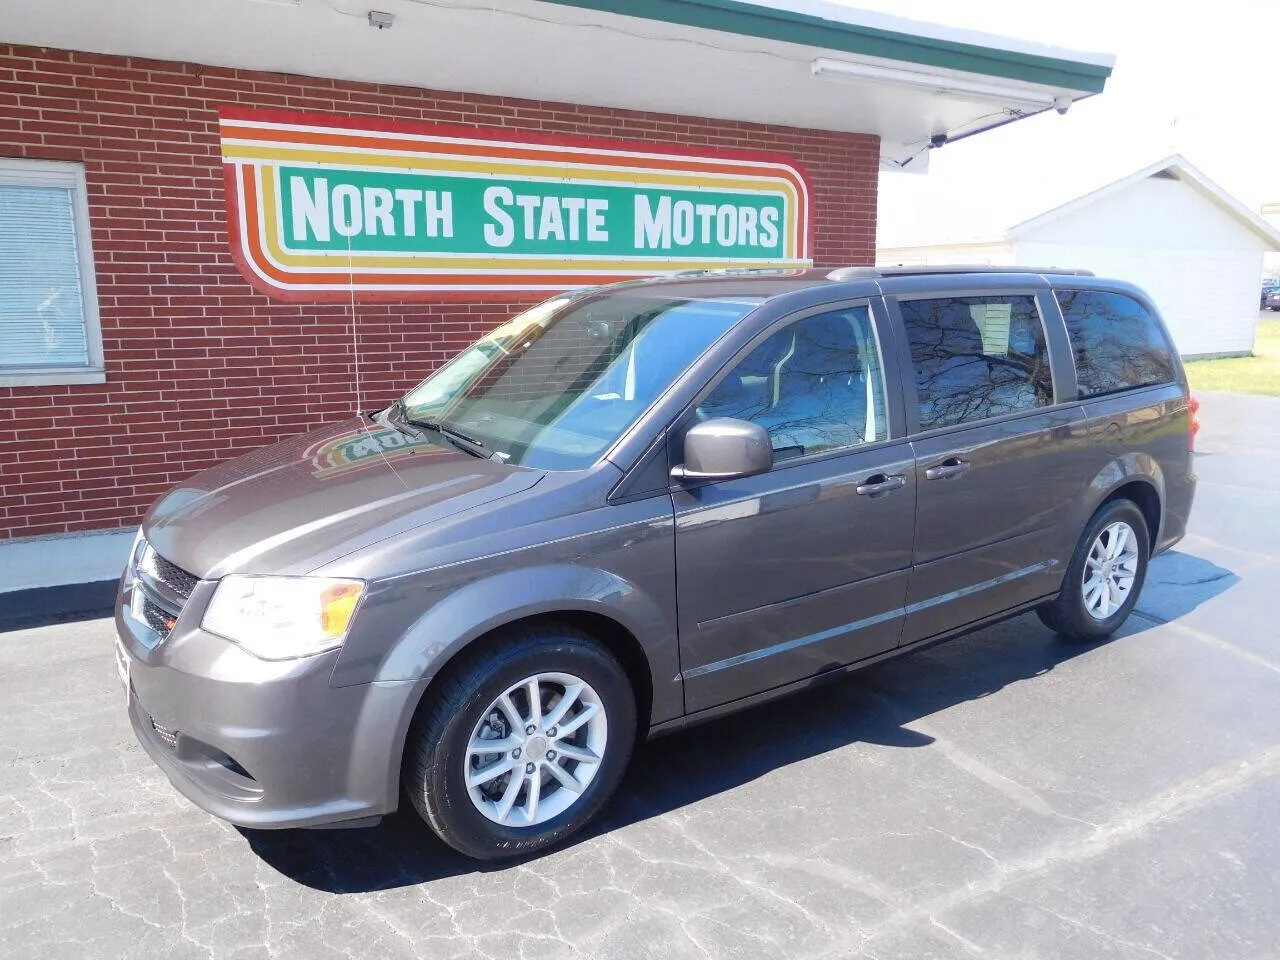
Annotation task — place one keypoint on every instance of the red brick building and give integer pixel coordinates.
(135, 346)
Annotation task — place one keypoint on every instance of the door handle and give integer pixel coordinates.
(950, 467)
(880, 483)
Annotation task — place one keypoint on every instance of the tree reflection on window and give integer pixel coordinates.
(1117, 343)
(815, 385)
(976, 357)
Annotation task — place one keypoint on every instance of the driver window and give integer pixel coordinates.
(815, 385)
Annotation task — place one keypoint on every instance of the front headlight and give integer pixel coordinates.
(282, 618)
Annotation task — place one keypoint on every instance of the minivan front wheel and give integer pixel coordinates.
(522, 743)
(536, 749)
(1104, 577)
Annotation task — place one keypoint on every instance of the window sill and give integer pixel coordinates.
(50, 378)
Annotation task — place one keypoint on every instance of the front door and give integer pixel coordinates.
(997, 466)
(788, 574)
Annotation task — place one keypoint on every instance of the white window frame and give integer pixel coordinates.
(56, 173)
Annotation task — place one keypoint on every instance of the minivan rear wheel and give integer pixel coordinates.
(1104, 577)
(521, 742)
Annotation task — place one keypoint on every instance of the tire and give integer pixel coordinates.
(464, 708)
(1069, 614)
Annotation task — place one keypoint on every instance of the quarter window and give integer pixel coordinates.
(976, 357)
(1116, 341)
(48, 304)
(815, 385)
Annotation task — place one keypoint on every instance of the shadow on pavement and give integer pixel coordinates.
(1179, 582)
(42, 606)
(671, 772)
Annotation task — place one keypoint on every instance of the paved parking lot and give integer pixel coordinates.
(1005, 795)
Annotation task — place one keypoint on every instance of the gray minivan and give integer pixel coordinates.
(635, 507)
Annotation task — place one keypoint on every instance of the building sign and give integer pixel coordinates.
(323, 207)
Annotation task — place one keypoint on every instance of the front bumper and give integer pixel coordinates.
(260, 743)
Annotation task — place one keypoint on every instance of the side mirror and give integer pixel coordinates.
(724, 449)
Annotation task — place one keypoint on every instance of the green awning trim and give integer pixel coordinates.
(747, 19)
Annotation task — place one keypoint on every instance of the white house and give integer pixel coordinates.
(1196, 250)
(1271, 262)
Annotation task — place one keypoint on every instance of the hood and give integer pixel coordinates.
(293, 506)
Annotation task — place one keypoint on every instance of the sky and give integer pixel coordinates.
(1202, 80)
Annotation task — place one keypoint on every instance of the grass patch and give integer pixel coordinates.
(1257, 374)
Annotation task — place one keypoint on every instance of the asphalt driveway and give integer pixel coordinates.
(1005, 795)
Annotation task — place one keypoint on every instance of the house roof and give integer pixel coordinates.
(1015, 213)
(1179, 169)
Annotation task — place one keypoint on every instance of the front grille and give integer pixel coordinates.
(161, 590)
(168, 737)
(169, 574)
(156, 617)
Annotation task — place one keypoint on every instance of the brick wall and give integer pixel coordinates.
(199, 365)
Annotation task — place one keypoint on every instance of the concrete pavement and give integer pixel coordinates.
(1002, 796)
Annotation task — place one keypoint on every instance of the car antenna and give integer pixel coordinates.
(355, 362)
(355, 337)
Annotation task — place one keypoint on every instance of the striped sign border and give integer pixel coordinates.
(255, 143)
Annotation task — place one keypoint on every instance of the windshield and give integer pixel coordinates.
(554, 387)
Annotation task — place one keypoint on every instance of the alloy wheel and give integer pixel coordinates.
(1110, 570)
(535, 750)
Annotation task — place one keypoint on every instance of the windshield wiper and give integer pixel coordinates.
(394, 417)
(397, 417)
(462, 441)
(459, 439)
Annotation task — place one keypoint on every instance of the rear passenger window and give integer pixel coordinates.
(976, 357)
(1117, 343)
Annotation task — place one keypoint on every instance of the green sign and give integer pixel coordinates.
(323, 208)
(335, 210)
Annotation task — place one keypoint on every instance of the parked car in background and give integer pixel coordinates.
(639, 507)
(1271, 294)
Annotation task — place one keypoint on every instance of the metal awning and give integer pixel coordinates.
(799, 63)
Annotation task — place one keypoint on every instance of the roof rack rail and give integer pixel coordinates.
(874, 273)
(854, 273)
(743, 271)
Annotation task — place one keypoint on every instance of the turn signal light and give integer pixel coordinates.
(337, 604)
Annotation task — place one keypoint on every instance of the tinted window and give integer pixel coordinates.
(976, 357)
(1116, 342)
(815, 386)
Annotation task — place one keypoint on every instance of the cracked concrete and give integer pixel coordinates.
(1002, 796)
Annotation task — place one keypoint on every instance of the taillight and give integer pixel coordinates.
(1193, 422)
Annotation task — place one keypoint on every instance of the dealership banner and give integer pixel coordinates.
(330, 207)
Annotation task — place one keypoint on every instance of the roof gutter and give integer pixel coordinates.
(790, 26)
(944, 139)
(938, 141)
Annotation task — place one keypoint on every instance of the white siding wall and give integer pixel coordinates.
(1199, 265)
(946, 255)
(1271, 259)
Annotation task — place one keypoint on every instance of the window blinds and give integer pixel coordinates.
(42, 318)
